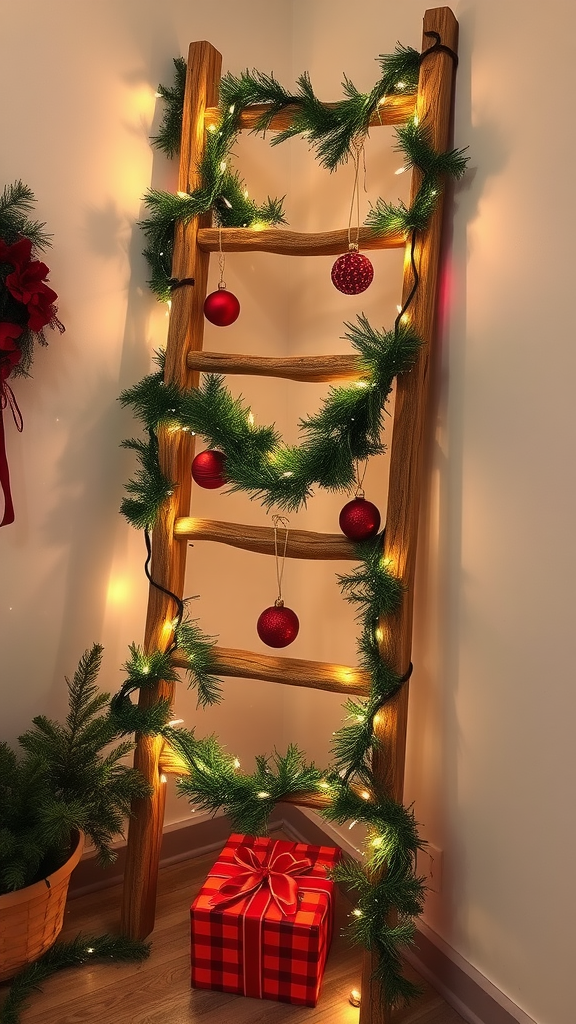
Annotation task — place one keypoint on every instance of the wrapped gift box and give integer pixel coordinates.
(262, 922)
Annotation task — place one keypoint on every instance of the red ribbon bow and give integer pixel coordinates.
(276, 870)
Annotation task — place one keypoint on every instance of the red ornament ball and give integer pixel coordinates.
(352, 273)
(278, 626)
(221, 308)
(359, 519)
(208, 469)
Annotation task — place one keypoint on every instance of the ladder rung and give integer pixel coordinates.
(293, 243)
(301, 543)
(319, 675)
(314, 369)
(394, 110)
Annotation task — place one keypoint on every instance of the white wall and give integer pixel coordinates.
(490, 762)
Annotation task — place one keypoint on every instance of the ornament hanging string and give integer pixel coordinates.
(221, 258)
(277, 521)
(360, 478)
(7, 400)
(358, 149)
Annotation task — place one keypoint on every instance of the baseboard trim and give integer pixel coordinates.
(470, 993)
(475, 998)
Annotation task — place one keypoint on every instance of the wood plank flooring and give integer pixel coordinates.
(158, 991)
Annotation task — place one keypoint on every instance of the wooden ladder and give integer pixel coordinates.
(194, 242)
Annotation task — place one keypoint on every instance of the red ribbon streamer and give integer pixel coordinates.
(7, 399)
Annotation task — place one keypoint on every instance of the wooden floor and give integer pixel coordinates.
(158, 991)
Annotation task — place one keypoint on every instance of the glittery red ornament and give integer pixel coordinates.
(221, 307)
(359, 519)
(208, 469)
(352, 273)
(278, 626)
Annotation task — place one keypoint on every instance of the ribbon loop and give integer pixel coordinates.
(7, 399)
(270, 869)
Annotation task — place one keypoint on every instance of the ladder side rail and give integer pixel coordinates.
(168, 565)
(434, 107)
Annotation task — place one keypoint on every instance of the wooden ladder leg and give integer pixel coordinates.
(433, 106)
(176, 451)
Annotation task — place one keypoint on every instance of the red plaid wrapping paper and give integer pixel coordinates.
(249, 947)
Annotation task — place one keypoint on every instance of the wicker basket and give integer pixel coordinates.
(31, 919)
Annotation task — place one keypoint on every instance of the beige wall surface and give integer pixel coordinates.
(491, 758)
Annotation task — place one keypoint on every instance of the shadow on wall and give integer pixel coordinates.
(440, 606)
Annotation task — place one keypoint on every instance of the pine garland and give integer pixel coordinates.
(346, 429)
(84, 949)
(333, 130)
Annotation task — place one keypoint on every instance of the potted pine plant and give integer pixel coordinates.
(66, 782)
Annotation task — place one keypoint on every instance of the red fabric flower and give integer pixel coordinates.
(27, 284)
(10, 354)
(18, 254)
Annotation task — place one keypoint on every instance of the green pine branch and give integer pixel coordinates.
(16, 202)
(83, 950)
(168, 138)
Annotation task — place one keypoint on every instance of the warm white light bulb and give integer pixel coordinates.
(357, 912)
(236, 762)
(222, 165)
(401, 170)
(262, 795)
(354, 998)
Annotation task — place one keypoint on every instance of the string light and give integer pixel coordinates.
(183, 195)
(401, 170)
(262, 795)
(251, 419)
(379, 634)
(176, 721)
(357, 912)
(352, 823)
(222, 165)
(163, 778)
(400, 85)
(236, 762)
(365, 794)
(90, 949)
(211, 127)
(354, 998)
